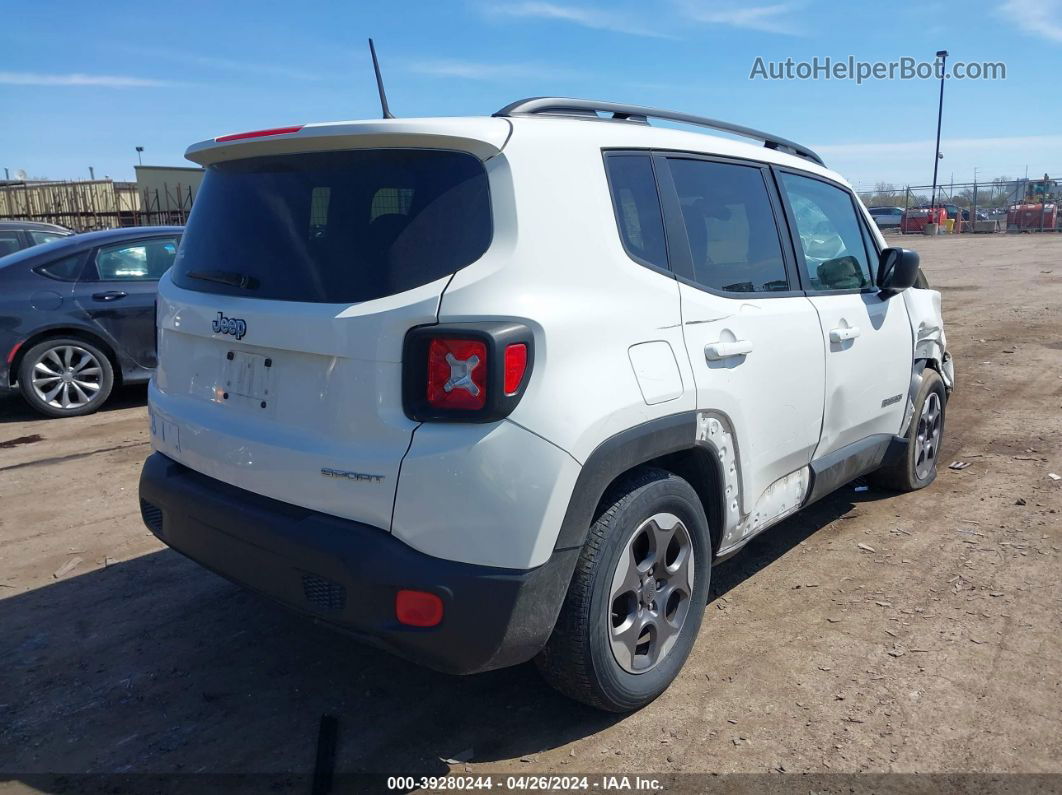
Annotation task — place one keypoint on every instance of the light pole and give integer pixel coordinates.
(942, 56)
(139, 152)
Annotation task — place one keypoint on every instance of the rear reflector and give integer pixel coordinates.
(14, 352)
(457, 373)
(418, 608)
(515, 366)
(260, 133)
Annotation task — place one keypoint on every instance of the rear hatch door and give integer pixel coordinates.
(282, 321)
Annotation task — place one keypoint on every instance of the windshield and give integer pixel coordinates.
(335, 227)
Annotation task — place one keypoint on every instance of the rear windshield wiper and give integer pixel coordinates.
(225, 277)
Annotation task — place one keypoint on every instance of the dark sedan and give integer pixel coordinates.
(17, 235)
(77, 316)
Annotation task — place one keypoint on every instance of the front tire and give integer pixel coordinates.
(635, 603)
(65, 377)
(917, 468)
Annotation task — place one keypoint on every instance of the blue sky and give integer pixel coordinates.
(84, 83)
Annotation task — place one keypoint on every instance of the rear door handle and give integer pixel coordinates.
(714, 351)
(110, 295)
(844, 333)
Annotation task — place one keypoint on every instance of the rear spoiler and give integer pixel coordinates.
(483, 137)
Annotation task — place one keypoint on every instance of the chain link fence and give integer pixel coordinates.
(999, 205)
(85, 205)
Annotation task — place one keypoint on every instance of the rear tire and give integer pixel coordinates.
(65, 377)
(917, 468)
(635, 603)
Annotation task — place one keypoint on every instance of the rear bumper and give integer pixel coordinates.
(346, 574)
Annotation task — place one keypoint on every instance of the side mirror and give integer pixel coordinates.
(897, 270)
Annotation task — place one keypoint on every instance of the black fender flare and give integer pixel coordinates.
(674, 433)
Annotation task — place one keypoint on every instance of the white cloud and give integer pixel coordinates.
(229, 64)
(1036, 17)
(473, 70)
(911, 162)
(78, 79)
(598, 19)
(768, 19)
(1023, 143)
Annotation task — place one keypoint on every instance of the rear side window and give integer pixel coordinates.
(67, 269)
(730, 225)
(335, 227)
(637, 207)
(143, 260)
(9, 243)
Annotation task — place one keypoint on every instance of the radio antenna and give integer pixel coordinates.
(379, 82)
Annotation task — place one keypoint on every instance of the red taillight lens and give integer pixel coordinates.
(259, 133)
(515, 366)
(418, 608)
(457, 373)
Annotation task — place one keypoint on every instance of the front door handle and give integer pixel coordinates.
(844, 333)
(714, 351)
(110, 295)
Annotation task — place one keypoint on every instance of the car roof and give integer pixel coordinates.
(71, 244)
(40, 225)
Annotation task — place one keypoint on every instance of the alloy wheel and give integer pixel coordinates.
(67, 377)
(651, 593)
(927, 436)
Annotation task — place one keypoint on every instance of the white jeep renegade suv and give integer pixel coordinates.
(482, 390)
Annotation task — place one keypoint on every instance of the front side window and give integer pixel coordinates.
(637, 207)
(871, 246)
(730, 226)
(144, 260)
(835, 257)
(39, 237)
(335, 227)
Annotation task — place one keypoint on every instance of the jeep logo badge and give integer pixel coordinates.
(229, 325)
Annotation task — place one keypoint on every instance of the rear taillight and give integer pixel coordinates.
(469, 372)
(457, 373)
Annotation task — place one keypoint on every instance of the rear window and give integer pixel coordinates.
(335, 227)
(637, 207)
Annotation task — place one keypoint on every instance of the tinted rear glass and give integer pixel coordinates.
(335, 227)
(67, 269)
(637, 207)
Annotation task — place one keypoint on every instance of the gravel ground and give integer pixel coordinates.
(873, 633)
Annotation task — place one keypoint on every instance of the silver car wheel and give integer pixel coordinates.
(927, 436)
(67, 377)
(651, 593)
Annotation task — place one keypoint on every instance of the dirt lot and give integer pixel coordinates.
(874, 632)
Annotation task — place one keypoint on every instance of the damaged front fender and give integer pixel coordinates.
(927, 326)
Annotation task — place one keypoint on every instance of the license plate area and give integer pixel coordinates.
(247, 380)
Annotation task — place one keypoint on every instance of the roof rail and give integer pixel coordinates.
(585, 108)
